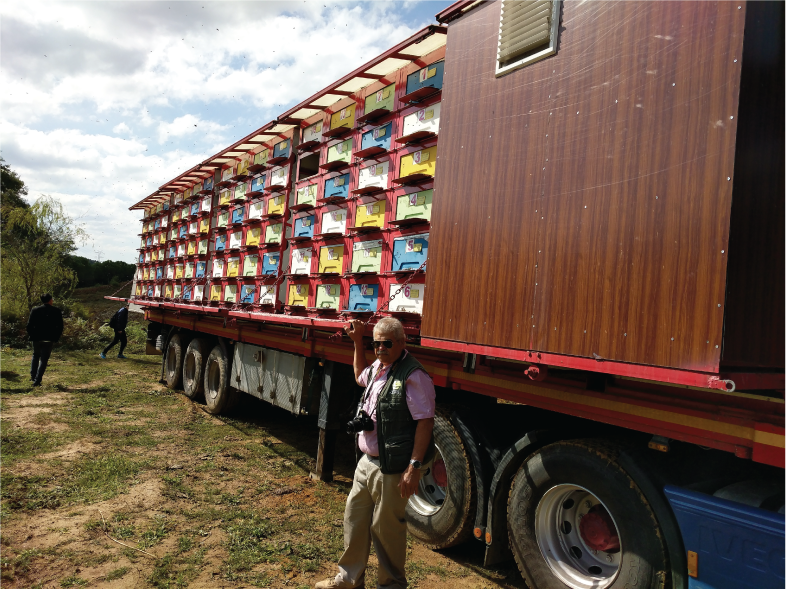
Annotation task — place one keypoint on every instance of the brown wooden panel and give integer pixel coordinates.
(754, 330)
(546, 233)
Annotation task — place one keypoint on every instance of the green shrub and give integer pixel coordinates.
(80, 334)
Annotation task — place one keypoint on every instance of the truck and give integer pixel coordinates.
(576, 211)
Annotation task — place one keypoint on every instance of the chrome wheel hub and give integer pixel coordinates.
(432, 489)
(582, 555)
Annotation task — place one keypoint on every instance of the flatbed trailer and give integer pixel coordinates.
(604, 320)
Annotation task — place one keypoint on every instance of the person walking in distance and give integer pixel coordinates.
(118, 323)
(44, 328)
(394, 425)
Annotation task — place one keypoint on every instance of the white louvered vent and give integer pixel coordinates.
(527, 32)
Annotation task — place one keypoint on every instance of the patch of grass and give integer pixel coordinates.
(94, 525)
(19, 564)
(249, 545)
(307, 557)
(185, 544)
(166, 574)
(417, 570)
(88, 480)
(95, 560)
(102, 478)
(175, 488)
(20, 443)
(29, 493)
(116, 574)
(155, 534)
(73, 581)
(230, 500)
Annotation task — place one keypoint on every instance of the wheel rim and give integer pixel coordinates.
(213, 380)
(582, 557)
(190, 369)
(432, 489)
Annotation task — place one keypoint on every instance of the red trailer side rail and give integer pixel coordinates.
(750, 426)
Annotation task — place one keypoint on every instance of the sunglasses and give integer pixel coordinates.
(385, 343)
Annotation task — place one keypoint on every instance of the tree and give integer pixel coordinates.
(13, 188)
(36, 239)
(93, 272)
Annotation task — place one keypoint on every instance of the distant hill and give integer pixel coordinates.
(93, 272)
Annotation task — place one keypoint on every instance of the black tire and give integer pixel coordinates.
(454, 505)
(194, 368)
(219, 396)
(546, 478)
(173, 362)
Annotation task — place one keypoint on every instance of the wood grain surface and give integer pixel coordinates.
(582, 202)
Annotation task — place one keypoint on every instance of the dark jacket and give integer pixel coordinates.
(119, 321)
(395, 425)
(45, 323)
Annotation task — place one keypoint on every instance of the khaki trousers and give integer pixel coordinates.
(375, 512)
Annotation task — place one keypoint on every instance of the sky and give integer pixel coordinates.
(102, 102)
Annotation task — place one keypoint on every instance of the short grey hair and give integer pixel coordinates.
(387, 325)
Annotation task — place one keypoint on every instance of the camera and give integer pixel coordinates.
(359, 423)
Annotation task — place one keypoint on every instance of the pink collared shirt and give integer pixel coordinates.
(421, 401)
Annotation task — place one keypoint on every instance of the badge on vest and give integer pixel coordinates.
(397, 384)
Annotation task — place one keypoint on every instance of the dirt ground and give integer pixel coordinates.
(109, 480)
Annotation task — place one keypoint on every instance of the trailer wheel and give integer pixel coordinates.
(173, 366)
(441, 511)
(219, 396)
(576, 519)
(194, 368)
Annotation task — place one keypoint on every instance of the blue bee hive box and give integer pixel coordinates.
(378, 137)
(337, 186)
(258, 184)
(270, 263)
(247, 294)
(363, 297)
(430, 76)
(409, 252)
(304, 227)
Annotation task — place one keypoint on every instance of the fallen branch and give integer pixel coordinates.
(120, 542)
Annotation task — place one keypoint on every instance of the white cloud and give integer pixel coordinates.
(96, 177)
(99, 100)
(189, 125)
(120, 55)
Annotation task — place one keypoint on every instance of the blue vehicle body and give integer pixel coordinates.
(736, 546)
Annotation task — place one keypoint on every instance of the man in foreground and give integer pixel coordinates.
(394, 424)
(44, 328)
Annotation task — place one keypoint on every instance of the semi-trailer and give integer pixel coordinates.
(576, 211)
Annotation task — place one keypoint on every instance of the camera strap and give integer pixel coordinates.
(371, 382)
